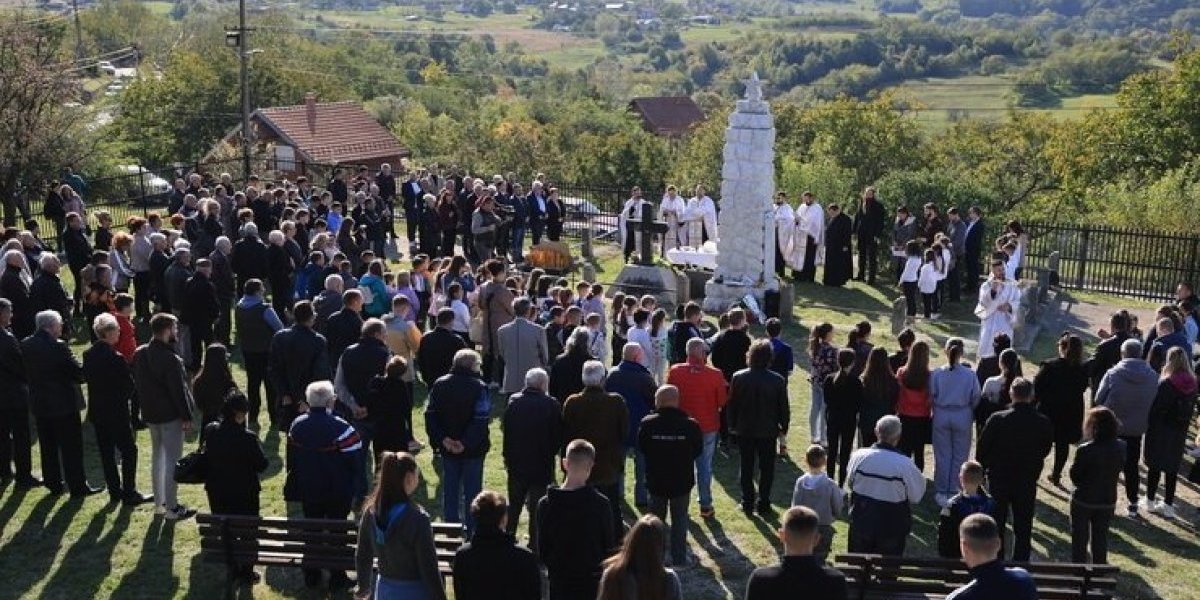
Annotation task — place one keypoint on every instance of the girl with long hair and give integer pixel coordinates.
(913, 404)
(954, 394)
(1058, 388)
(1166, 436)
(637, 569)
(212, 384)
(1097, 466)
(822, 357)
(879, 395)
(396, 530)
(843, 393)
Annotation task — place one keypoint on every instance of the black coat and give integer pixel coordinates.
(48, 293)
(532, 425)
(670, 441)
(843, 399)
(389, 405)
(566, 373)
(436, 353)
(361, 362)
(249, 260)
(794, 573)
(299, 356)
(109, 384)
(1013, 447)
(79, 250)
(729, 351)
(17, 291)
(1106, 356)
(493, 567)
(343, 328)
(1058, 388)
(235, 460)
(54, 376)
(162, 385)
(1167, 434)
(12, 373)
(159, 261)
(279, 267)
(575, 533)
(222, 276)
(974, 244)
(758, 404)
(200, 304)
(869, 220)
(1095, 471)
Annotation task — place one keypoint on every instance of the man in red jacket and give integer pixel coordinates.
(702, 393)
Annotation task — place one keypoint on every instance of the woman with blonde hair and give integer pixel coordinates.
(1167, 431)
(396, 530)
(637, 569)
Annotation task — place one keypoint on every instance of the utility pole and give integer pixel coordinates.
(78, 30)
(239, 39)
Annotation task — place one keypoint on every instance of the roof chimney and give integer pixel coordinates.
(310, 107)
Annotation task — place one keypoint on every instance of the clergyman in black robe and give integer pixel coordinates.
(839, 264)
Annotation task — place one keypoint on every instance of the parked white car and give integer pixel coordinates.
(155, 187)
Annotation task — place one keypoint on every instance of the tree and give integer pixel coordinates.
(1009, 157)
(38, 135)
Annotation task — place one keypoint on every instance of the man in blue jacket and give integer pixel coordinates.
(636, 385)
(456, 421)
(323, 467)
(980, 544)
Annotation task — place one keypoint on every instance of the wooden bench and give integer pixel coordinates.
(238, 541)
(871, 576)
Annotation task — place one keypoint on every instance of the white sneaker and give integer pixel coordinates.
(1166, 511)
(1146, 505)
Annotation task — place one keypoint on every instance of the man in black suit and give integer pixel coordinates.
(110, 386)
(536, 202)
(15, 457)
(47, 291)
(974, 249)
(54, 377)
(386, 182)
(200, 310)
(799, 569)
(412, 193)
(435, 356)
(868, 226)
(298, 357)
(344, 327)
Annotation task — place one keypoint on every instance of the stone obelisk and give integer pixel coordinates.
(746, 250)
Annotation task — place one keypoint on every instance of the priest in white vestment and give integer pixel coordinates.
(701, 217)
(808, 239)
(997, 308)
(785, 222)
(671, 212)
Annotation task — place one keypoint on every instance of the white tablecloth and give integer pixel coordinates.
(693, 258)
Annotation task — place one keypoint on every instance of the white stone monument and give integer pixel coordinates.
(746, 250)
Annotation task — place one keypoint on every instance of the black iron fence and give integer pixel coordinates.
(1129, 262)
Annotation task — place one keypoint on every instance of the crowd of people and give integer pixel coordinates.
(333, 338)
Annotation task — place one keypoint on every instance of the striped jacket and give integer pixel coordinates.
(324, 458)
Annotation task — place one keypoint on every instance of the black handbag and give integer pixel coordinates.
(192, 468)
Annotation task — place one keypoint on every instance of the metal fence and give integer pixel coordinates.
(1129, 262)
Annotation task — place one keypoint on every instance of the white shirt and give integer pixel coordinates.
(884, 475)
(928, 278)
(641, 336)
(462, 317)
(912, 268)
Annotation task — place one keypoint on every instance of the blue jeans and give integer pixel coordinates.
(816, 413)
(518, 242)
(362, 479)
(641, 496)
(704, 471)
(462, 480)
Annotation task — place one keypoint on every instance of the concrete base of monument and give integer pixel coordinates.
(660, 282)
(719, 298)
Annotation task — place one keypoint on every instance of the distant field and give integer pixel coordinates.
(158, 7)
(984, 97)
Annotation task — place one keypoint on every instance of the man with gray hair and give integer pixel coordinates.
(456, 420)
(15, 287)
(702, 395)
(883, 484)
(532, 425)
(329, 300)
(249, 257)
(223, 280)
(602, 419)
(634, 383)
(16, 460)
(323, 466)
(48, 293)
(1128, 389)
(54, 376)
(110, 387)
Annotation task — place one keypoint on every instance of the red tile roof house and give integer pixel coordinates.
(313, 136)
(669, 116)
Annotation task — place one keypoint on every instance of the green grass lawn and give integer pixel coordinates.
(61, 548)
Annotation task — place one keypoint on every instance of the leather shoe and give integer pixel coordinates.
(87, 490)
(29, 482)
(56, 490)
(135, 498)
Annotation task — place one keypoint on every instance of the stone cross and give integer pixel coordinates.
(753, 88)
(648, 227)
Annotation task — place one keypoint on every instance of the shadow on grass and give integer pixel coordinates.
(89, 560)
(30, 553)
(154, 569)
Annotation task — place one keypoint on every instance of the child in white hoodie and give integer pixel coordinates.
(909, 276)
(817, 491)
(927, 283)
